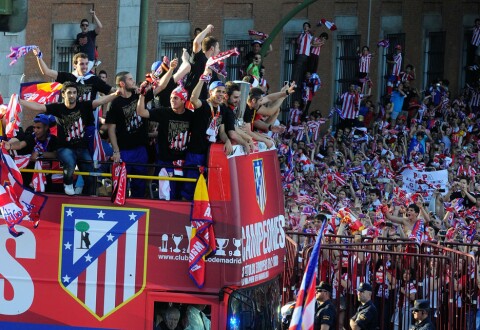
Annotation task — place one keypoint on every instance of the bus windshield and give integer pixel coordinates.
(254, 307)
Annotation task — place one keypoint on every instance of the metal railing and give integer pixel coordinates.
(400, 271)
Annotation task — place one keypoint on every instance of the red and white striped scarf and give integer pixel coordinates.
(13, 116)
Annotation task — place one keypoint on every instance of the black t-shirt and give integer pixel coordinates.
(86, 43)
(198, 67)
(72, 123)
(201, 120)
(173, 133)
(131, 129)
(90, 87)
(48, 145)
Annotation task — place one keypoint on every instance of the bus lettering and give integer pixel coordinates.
(19, 280)
(263, 237)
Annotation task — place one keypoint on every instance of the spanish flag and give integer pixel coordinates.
(202, 241)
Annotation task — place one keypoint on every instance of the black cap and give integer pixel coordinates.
(324, 286)
(364, 287)
(421, 305)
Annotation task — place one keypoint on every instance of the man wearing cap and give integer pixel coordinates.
(420, 315)
(366, 317)
(325, 313)
(128, 132)
(256, 48)
(173, 132)
(40, 144)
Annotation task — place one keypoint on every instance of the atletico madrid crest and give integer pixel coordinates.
(103, 256)
(260, 189)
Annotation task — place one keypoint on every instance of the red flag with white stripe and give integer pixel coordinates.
(13, 116)
(8, 168)
(39, 180)
(304, 313)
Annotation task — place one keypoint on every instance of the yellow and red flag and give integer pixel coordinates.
(202, 241)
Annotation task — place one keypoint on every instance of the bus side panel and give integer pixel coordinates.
(260, 212)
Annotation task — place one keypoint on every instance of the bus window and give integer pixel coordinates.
(179, 316)
(253, 308)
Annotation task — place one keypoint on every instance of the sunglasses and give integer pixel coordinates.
(84, 25)
(322, 291)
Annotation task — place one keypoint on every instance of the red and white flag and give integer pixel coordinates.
(221, 56)
(329, 25)
(13, 116)
(98, 152)
(39, 180)
(11, 212)
(257, 33)
(304, 313)
(9, 171)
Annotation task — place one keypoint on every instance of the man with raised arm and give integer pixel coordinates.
(167, 79)
(85, 41)
(173, 131)
(72, 118)
(211, 120)
(413, 226)
(88, 84)
(128, 132)
(259, 105)
(203, 48)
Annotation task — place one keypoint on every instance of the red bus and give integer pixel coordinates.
(94, 265)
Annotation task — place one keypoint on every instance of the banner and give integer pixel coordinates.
(202, 243)
(40, 92)
(424, 182)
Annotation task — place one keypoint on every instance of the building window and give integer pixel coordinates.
(173, 36)
(289, 57)
(434, 57)
(289, 47)
(235, 35)
(62, 55)
(235, 65)
(173, 49)
(394, 39)
(468, 58)
(346, 62)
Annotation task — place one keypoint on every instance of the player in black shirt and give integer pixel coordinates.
(128, 132)
(211, 120)
(173, 132)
